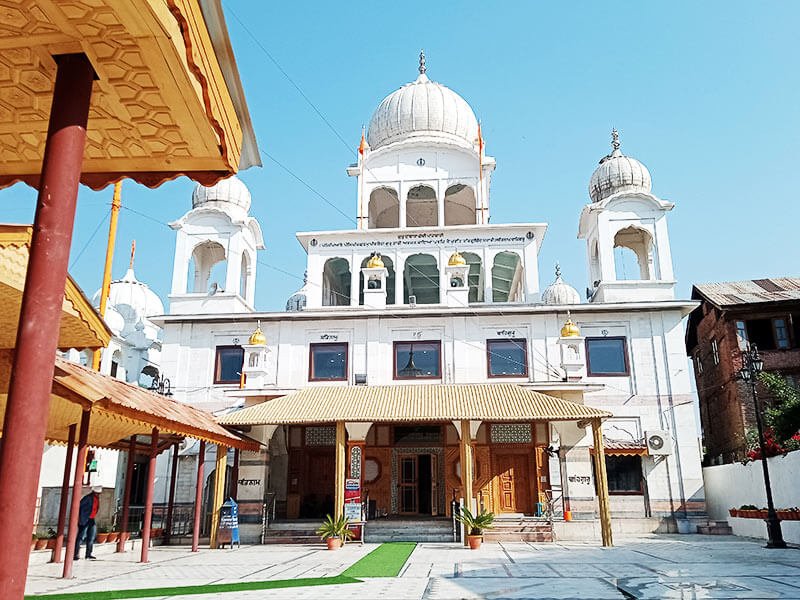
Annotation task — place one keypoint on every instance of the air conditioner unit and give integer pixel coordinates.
(360, 379)
(412, 301)
(658, 443)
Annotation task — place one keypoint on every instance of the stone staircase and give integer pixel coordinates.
(292, 532)
(519, 529)
(715, 528)
(409, 530)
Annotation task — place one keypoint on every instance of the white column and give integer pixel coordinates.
(441, 186)
(399, 278)
(355, 272)
(401, 195)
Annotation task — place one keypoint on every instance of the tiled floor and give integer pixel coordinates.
(685, 567)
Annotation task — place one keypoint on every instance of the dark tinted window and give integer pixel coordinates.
(606, 356)
(417, 360)
(624, 474)
(507, 358)
(229, 364)
(328, 362)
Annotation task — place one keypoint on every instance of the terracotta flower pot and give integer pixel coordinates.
(102, 538)
(51, 544)
(474, 541)
(41, 544)
(762, 514)
(734, 512)
(333, 543)
(113, 536)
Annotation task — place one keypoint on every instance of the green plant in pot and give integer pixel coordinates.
(475, 525)
(335, 531)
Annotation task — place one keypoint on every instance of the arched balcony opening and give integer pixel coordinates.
(148, 375)
(421, 207)
(390, 280)
(475, 276)
(421, 279)
(207, 269)
(633, 254)
(459, 205)
(384, 208)
(336, 282)
(507, 278)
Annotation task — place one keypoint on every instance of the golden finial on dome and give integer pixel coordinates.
(375, 261)
(456, 260)
(258, 338)
(570, 329)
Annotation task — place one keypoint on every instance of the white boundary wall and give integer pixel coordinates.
(731, 486)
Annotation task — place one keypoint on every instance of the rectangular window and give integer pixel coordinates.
(507, 358)
(228, 367)
(741, 335)
(715, 351)
(607, 356)
(698, 363)
(327, 362)
(624, 474)
(417, 360)
(781, 333)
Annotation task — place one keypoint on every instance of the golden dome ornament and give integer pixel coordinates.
(456, 260)
(570, 329)
(258, 338)
(375, 261)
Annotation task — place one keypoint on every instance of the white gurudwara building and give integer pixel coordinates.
(421, 342)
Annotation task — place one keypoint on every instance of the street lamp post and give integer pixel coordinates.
(752, 365)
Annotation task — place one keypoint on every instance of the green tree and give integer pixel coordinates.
(784, 416)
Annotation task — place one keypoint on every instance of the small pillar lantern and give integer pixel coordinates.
(573, 359)
(457, 271)
(254, 368)
(375, 274)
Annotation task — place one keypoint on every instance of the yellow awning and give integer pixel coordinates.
(80, 327)
(413, 403)
(167, 100)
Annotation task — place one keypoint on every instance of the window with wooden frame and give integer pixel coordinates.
(418, 360)
(228, 364)
(327, 362)
(507, 358)
(624, 475)
(715, 351)
(607, 357)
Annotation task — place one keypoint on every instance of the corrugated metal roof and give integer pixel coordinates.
(754, 291)
(412, 403)
(624, 447)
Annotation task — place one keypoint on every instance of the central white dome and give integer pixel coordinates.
(422, 107)
(618, 173)
(230, 192)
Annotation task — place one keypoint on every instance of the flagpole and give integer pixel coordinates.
(362, 147)
(116, 202)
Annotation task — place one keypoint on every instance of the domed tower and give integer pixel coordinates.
(625, 229)
(422, 161)
(215, 252)
(560, 293)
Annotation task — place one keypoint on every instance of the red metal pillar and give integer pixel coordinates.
(198, 495)
(126, 498)
(75, 503)
(62, 508)
(234, 491)
(171, 504)
(148, 499)
(37, 334)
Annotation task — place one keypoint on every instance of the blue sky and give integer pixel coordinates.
(706, 94)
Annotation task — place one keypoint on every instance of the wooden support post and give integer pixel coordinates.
(126, 496)
(198, 495)
(234, 492)
(602, 483)
(62, 507)
(171, 502)
(74, 509)
(148, 498)
(219, 491)
(28, 402)
(341, 459)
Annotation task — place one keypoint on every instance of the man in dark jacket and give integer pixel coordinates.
(87, 512)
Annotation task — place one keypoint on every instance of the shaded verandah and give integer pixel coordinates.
(354, 409)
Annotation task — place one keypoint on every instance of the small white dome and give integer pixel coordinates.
(226, 192)
(559, 292)
(618, 173)
(131, 299)
(422, 107)
(114, 320)
(297, 301)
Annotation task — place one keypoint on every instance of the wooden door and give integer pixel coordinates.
(407, 485)
(511, 474)
(434, 485)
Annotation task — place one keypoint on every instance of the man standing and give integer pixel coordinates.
(89, 506)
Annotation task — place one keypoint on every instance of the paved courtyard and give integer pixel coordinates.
(685, 567)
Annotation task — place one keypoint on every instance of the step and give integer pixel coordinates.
(715, 528)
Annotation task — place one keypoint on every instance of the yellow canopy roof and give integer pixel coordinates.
(412, 403)
(81, 326)
(167, 100)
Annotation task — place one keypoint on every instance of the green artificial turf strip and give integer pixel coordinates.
(385, 561)
(214, 588)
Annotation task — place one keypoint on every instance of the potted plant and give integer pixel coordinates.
(50, 542)
(335, 531)
(748, 511)
(41, 543)
(102, 534)
(113, 536)
(33, 541)
(475, 525)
